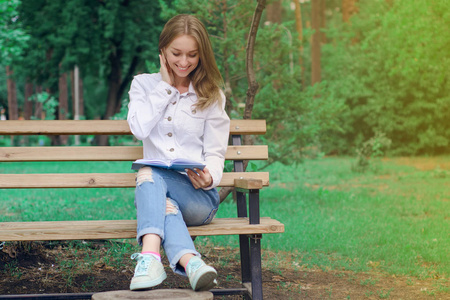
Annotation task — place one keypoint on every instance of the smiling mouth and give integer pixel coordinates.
(182, 69)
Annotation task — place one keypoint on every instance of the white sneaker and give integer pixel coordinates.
(201, 276)
(149, 272)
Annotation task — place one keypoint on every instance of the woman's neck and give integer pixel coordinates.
(182, 84)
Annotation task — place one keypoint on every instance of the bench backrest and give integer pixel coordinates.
(110, 153)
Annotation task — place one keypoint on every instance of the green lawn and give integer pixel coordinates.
(395, 219)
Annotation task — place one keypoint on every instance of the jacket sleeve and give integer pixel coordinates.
(148, 101)
(217, 129)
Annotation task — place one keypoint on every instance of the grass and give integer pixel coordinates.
(392, 219)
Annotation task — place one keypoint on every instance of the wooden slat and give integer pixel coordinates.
(257, 152)
(106, 127)
(99, 180)
(123, 229)
(248, 184)
(116, 153)
(248, 127)
(63, 127)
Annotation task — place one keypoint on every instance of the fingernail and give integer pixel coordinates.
(186, 170)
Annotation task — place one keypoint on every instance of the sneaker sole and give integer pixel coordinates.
(145, 285)
(206, 281)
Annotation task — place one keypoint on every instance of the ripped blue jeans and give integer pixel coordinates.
(166, 203)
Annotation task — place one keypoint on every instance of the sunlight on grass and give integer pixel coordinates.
(395, 219)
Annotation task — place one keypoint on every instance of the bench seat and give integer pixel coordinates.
(124, 229)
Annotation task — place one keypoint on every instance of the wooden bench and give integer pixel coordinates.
(248, 224)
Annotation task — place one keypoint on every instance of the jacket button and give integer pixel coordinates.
(169, 119)
(168, 92)
(170, 134)
(194, 112)
(171, 150)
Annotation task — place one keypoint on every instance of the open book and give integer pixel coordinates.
(178, 164)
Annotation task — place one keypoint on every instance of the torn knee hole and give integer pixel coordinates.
(171, 209)
(145, 174)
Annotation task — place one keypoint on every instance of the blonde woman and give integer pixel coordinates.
(178, 113)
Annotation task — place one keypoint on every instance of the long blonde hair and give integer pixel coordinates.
(206, 78)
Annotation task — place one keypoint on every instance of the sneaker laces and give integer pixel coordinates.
(143, 263)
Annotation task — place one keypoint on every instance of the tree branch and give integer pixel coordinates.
(251, 77)
(253, 85)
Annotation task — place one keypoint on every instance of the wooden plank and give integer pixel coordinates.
(63, 127)
(100, 180)
(256, 152)
(54, 153)
(123, 229)
(106, 127)
(248, 184)
(113, 153)
(248, 127)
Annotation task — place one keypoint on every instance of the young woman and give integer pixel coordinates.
(178, 113)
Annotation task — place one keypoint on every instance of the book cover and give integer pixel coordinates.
(179, 164)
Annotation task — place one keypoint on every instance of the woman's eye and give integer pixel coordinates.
(193, 55)
(175, 54)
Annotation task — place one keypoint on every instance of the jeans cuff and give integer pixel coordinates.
(149, 230)
(177, 268)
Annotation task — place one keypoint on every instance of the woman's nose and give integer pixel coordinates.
(184, 60)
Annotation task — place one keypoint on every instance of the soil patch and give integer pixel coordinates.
(37, 268)
(422, 163)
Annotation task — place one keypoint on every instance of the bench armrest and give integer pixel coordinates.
(252, 187)
(248, 183)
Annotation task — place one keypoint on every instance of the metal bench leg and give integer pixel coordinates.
(255, 250)
(244, 246)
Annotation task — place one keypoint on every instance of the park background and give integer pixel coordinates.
(356, 95)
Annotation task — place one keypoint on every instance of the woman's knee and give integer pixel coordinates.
(145, 174)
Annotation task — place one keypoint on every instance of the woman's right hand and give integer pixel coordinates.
(165, 73)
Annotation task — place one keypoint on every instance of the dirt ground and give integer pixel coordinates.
(39, 267)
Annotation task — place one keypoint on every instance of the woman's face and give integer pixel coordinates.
(182, 55)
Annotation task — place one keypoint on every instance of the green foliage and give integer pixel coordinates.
(108, 40)
(371, 152)
(390, 67)
(384, 71)
(49, 104)
(12, 37)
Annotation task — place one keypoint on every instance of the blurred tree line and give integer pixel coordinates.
(332, 73)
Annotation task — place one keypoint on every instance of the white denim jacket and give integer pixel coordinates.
(170, 127)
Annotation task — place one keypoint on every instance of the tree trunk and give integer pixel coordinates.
(114, 81)
(323, 36)
(228, 90)
(251, 77)
(38, 107)
(273, 12)
(28, 105)
(117, 86)
(349, 8)
(63, 108)
(299, 26)
(13, 111)
(80, 94)
(315, 45)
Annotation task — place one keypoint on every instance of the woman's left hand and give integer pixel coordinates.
(200, 179)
